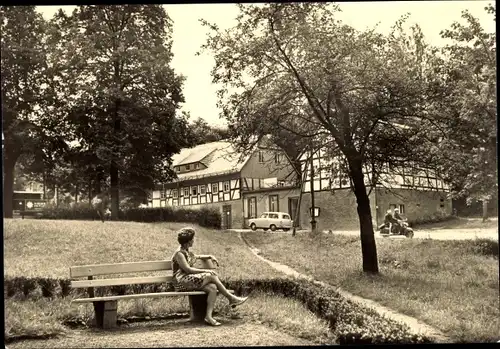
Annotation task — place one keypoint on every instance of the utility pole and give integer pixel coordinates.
(313, 218)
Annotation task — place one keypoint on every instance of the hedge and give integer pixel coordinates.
(350, 322)
(205, 217)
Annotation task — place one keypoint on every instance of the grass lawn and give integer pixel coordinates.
(451, 285)
(45, 317)
(462, 223)
(47, 248)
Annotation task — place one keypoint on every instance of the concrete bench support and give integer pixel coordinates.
(198, 307)
(105, 314)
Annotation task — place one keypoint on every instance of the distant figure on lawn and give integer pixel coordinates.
(100, 203)
(188, 278)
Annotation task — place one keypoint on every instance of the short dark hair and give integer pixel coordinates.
(185, 235)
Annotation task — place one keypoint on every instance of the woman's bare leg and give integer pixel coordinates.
(214, 279)
(211, 290)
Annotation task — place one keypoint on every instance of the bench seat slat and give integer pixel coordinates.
(118, 268)
(121, 281)
(143, 295)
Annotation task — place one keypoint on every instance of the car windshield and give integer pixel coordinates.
(264, 215)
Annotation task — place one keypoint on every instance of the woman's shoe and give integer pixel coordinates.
(212, 322)
(240, 301)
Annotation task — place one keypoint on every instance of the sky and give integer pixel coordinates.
(189, 35)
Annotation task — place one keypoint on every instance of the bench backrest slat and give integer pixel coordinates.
(121, 281)
(118, 268)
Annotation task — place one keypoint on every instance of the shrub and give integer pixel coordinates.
(78, 212)
(205, 217)
(485, 247)
(350, 322)
(433, 218)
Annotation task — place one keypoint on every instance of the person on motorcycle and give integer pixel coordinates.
(390, 219)
(397, 215)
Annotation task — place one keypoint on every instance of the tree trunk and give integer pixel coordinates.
(8, 188)
(44, 186)
(115, 195)
(77, 189)
(485, 210)
(368, 245)
(115, 203)
(90, 192)
(297, 212)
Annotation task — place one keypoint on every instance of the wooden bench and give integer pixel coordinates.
(105, 308)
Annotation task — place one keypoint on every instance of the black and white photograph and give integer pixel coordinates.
(249, 174)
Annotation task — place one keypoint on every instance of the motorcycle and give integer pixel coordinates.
(391, 229)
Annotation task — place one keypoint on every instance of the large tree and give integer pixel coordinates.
(467, 153)
(121, 94)
(299, 66)
(24, 88)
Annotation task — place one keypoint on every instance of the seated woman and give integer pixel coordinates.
(188, 278)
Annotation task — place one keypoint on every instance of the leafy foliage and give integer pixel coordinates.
(112, 64)
(360, 94)
(467, 154)
(25, 90)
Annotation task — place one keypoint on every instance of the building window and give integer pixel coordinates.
(226, 186)
(277, 157)
(261, 156)
(186, 191)
(215, 188)
(174, 193)
(194, 190)
(252, 207)
(273, 203)
(402, 209)
(202, 189)
(163, 194)
(187, 167)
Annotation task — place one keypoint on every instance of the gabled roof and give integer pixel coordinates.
(219, 157)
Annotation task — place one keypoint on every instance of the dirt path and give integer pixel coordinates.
(415, 325)
(173, 333)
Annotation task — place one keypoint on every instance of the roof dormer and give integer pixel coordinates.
(189, 167)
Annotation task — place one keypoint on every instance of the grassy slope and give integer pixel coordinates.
(49, 247)
(444, 283)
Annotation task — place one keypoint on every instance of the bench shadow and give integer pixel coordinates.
(161, 325)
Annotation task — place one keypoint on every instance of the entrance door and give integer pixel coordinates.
(226, 216)
(293, 205)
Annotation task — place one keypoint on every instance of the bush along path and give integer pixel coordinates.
(416, 326)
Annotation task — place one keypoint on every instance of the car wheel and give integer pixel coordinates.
(253, 227)
(272, 227)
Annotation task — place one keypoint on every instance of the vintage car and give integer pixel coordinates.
(272, 220)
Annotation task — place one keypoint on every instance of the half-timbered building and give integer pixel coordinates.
(418, 193)
(215, 175)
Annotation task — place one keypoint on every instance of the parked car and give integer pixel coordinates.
(272, 220)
